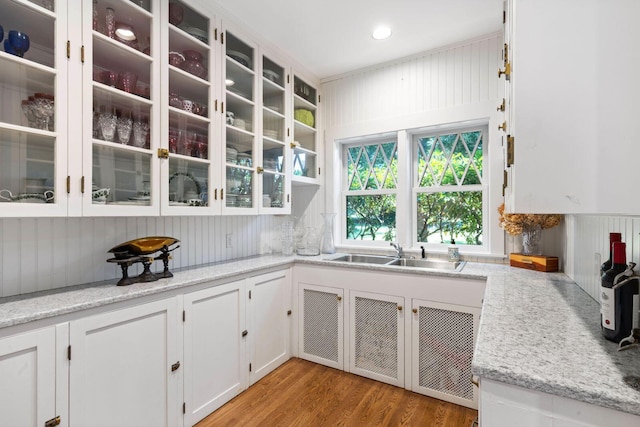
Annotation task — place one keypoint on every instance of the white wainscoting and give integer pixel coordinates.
(587, 246)
(461, 74)
(47, 253)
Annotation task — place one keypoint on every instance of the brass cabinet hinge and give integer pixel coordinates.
(175, 366)
(318, 98)
(222, 107)
(506, 71)
(184, 407)
(68, 184)
(249, 294)
(249, 367)
(82, 54)
(216, 105)
(222, 194)
(82, 184)
(504, 182)
(288, 78)
(163, 153)
(215, 194)
(502, 106)
(510, 150)
(184, 316)
(259, 169)
(222, 38)
(506, 54)
(245, 333)
(68, 49)
(288, 134)
(53, 422)
(318, 171)
(215, 34)
(288, 198)
(69, 353)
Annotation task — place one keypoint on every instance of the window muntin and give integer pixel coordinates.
(370, 190)
(448, 186)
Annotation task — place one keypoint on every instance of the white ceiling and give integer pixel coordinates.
(331, 37)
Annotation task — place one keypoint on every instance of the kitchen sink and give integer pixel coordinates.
(427, 264)
(432, 264)
(367, 259)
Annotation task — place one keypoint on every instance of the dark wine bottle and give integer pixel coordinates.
(616, 305)
(613, 237)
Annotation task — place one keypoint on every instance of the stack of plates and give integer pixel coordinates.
(232, 155)
(271, 133)
(240, 58)
(271, 75)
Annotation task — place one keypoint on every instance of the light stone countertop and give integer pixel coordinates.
(537, 330)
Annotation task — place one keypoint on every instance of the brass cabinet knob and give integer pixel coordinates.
(339, 298)
(415, 311)
(503, 126)
(399, 308)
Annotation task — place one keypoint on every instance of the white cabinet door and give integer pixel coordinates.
(121, 367)
(214, 349)
(574, 117)
(443, 338)
(376, 325)
(270, 302)
(27, 365)
(321, 323)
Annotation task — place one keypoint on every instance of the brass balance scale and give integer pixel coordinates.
(141, 251)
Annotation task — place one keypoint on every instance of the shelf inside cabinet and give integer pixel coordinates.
(111, 55)
(179, 41)
(188, 86)
(180, 119)
(108, 97)
(37, 23)
(241, 140)
(301, 129)
(118, 146)
(21, 73)
(270, 88)
(242, 79)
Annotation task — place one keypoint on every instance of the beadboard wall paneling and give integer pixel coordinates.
(453, 76)
(588, 246)
(47, 253)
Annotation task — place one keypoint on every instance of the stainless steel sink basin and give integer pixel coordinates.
(367, 259)
(428, 264)
(433, 264)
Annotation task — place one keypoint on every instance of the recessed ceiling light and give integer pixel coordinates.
(381, 33)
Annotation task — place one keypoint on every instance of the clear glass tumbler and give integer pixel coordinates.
(124, 125)
(107, 121)
(140, 130)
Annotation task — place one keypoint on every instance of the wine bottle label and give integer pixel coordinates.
(607, 308)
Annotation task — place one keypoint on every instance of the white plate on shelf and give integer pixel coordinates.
(271, 75)
(239, 57)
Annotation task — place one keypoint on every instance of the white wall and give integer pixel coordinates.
(48, 253)
(453, 84)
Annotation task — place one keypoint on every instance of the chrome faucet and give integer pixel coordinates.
(398, 248)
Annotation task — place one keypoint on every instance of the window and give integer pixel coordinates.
(371, 187)
(448, 178)
(441, 193)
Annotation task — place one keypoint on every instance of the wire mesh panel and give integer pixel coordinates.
(321, 321)
(376, 336)
(445, 351)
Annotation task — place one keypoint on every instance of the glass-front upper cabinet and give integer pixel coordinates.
(188, 93)
(120, 109)
(33, 131)
(306, 165)
(276, 134)
(241, 124)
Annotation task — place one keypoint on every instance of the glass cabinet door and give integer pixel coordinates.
(121, 116)
(33, 132)
(188, 95)
(240, 124)
(305, 147)
(275, 152)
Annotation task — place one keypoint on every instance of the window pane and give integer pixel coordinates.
(442, 216)
(371, 217)
(372, 166)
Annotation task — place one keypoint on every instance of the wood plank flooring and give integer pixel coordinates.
(302, 393)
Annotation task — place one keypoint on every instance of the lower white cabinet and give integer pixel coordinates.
(443, 338)
(124, 367)
(376, 325)
(321, 324)
(28, 372)
(427, 350)
(269, 326)
(214, 348)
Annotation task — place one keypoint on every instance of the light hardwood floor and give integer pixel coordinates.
(302, 393)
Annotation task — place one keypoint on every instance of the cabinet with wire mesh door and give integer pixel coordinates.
(376, 325)
(443, 338)
(321, 321)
